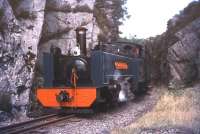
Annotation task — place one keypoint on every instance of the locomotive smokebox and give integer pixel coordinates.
(81, 40)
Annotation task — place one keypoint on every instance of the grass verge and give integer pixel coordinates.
(174, 108)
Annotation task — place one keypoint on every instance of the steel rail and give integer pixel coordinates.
(27, 122)
(33, 124)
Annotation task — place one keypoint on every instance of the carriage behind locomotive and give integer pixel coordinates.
(110, 74)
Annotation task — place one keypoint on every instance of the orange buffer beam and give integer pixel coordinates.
(82, 97)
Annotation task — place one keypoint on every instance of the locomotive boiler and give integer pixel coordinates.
(76, 82)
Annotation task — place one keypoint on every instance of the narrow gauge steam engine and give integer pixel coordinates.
(77, 83)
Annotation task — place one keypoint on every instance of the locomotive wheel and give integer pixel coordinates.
(139, 88)
(115, 94)
(100, 107)
(134, 87)
(111, 94)
(143, 86)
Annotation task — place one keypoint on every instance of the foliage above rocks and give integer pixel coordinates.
(109, 15)
(187, 15)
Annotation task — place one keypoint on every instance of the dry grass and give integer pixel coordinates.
(174, 108)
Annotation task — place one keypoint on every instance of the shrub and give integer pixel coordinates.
(1, 23)
(14, 3)
(26, 15)
(1, 13)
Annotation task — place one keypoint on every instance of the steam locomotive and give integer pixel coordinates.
(76, 83)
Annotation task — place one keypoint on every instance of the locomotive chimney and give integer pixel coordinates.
(81, 39)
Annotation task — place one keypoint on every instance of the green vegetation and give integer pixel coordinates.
(50, 7)
(1, 13)
(133, 40)
(20, 14)
(109, 15)
(26, 15)
(14, 3)
(5, 102)
(1, 24)
(83, 8)
(187, 15)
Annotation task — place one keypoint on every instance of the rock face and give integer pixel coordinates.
(156, 58)
(63, 17)
(21, 26)
(174, 56)
(61, 20)
(184, 55)
(29, 28)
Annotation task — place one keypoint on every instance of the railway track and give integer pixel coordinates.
(27, 126)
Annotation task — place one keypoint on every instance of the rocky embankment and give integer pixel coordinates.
(20, 30)
(174, 56)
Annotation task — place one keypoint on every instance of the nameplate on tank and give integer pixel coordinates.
(121, 65)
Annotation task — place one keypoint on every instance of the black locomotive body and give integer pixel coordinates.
(58, 70)
(80, 82)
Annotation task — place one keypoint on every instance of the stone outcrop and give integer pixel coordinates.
(184, 55)
(21, 26)
(63, 17)
(61, 20)
(156, 58)
(174, 55)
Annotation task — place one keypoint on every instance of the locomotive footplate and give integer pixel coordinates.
(67, 97)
